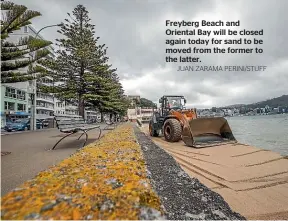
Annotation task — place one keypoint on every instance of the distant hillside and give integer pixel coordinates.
(274, 102)
(147, 103)
(143, 102)
(234, 106)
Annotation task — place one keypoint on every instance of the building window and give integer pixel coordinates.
(60, 104)
(25, 29)
(9, 106)
(21, 107)
(10, 92)
(21, 95)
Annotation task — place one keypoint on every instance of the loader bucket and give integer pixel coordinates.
(201, 132)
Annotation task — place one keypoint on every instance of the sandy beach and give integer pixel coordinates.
(253, 181)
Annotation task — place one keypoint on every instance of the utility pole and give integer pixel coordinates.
(33, 94)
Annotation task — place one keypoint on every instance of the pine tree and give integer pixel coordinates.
(105, 92)
(82, 68)
(18, 56)
(79, 56)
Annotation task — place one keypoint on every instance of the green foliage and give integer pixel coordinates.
(147, 103)
(142, 103)
(105, 91)
(18, 56)
(78, 58)
(82, 67)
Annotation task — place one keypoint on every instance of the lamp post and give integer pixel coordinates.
(48, 26)
(33, 91)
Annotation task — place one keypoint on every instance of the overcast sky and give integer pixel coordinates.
(134, 31)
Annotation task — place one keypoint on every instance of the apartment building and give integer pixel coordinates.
(91, 115)
(59, 106)
(14, 104)
(62, 107)
(143, 114)
(44, 102)
(16, 101)
(71, 109)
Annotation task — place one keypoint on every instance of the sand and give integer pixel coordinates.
(253, 181)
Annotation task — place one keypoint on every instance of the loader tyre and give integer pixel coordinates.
(172, 130)
(152, 132)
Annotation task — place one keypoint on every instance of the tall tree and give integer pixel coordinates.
(79, 56)
(105, 92)
(82, 68)
(20, 55)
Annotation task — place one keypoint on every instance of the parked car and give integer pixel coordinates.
(21, 124)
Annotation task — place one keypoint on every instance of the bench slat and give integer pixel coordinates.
(67, 115)
(87, 127)
(71, 126)
(70, 123)
(69, 119)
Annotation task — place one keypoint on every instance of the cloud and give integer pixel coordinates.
(134, 32)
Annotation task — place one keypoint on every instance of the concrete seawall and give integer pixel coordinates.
(124, 175)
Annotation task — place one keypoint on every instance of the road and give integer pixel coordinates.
(30, 154)
(253, 182)
(4, 132)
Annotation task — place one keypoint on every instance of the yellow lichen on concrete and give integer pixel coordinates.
(105, 180)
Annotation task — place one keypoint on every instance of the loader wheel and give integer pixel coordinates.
(172, 130)
(152, 132)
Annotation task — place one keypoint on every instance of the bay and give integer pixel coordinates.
(268, 132)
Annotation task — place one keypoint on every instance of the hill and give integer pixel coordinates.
(143, 102)
(274, 102)
(147, 103)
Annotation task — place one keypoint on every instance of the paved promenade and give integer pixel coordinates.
(30, 153)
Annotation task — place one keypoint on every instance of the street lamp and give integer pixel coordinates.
(33, 91)
(48, 26)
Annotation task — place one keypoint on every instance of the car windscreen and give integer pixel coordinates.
(174, 101)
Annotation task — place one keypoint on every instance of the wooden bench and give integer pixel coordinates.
(71, 124)
(110, 125)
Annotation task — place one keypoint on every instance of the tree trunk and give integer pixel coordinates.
(81, 107)
(102, 117)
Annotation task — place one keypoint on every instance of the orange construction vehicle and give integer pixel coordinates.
(176, 123)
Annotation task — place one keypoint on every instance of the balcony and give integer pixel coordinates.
(44, 107)
(71, 107)
(45, 99)
(45, 84)
(72, 112)
(43, 116)
(91, 112)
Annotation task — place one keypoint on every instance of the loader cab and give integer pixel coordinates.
(168, 103)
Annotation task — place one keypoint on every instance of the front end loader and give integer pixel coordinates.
(176, 122)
